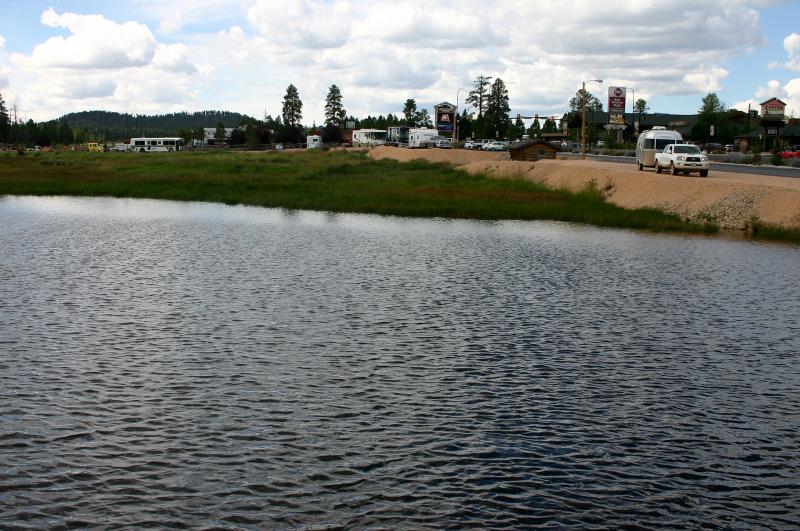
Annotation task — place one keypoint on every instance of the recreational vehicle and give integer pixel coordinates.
(656, 139)
(421, 138)
(369, 137)
(313, 142)
(398, 136)
(156, 144)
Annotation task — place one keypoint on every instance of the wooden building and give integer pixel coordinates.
(532, 150)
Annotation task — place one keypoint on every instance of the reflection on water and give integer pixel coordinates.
(171, 364)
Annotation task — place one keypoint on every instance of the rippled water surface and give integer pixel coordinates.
(167, 364)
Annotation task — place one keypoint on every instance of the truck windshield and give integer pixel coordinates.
(661, 143)
(694, 150)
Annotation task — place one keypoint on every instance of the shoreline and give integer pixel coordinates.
(453, 184)
(731, 200)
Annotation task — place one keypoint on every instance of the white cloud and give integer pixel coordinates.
(706, 79)
(773, 89)
(792, 99)
(5, 76)
(381, 52)
(173, 58)
(302, 23)
(2, 41)
(792, 46)
(105, 65)
(95, 42)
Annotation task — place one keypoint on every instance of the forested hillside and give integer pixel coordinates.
(108, 126)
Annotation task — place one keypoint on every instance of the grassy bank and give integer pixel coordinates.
(328, 181)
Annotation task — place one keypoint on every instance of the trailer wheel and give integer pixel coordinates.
(141, 150)
(641, 167)
(658, 167)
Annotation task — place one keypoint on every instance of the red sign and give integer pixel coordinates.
(616, 100)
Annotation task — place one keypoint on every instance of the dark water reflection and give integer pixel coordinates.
(168, 364)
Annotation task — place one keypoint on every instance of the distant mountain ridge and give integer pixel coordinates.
(106, 125)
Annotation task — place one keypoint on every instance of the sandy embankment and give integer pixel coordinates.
(731, 199)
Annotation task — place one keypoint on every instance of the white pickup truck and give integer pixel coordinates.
(684, 158)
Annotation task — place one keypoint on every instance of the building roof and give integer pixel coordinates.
(527, 143)
(773, 99)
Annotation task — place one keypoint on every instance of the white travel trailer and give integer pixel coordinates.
(144, 145)
(313, 142)
(422, 138)
(369, 137)
(656, 139)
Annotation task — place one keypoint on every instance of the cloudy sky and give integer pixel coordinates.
(145, 56)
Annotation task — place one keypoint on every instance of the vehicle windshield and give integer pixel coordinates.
(661, 143)
(693, 150)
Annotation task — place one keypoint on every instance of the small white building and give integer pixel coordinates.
(313, 142)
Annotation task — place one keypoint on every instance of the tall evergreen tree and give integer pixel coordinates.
(5, 122)
(478, 96)
(593, 103)
(219, 133)
(423, 119)
(410, 112)
(497, 109)
(292, 107)
(535, 129)
(333, 107)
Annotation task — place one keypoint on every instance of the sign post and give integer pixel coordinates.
(616, 110)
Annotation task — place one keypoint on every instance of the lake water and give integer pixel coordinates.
(166, 364)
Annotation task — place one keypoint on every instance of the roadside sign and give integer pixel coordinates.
(616, 100)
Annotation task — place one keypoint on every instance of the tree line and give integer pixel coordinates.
(488, 99)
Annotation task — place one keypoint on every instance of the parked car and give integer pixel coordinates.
(440, 141)
(791, 152)
(495, 146)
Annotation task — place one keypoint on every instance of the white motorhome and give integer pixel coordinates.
(422, 138)
(369, 137)
(144, 145)
(313, 142)
(656, 139)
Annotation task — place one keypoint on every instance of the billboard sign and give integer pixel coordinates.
(616, 119)
(773, 108)
(445, 115)
(616, 100)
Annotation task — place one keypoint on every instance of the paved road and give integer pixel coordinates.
(777, 171)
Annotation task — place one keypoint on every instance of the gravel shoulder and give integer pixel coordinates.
(730, 199)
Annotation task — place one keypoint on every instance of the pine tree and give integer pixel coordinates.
(497, 109)
(550, 126)
(535, 129)
(333, 107)
(5, 122)
(219, 134)
(479, 95)
(423, 119)
(292, 107)
(410, 112)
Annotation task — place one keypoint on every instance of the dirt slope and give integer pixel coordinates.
(732, 199)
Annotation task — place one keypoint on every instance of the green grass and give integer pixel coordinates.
(326, 181)
(765, 231)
